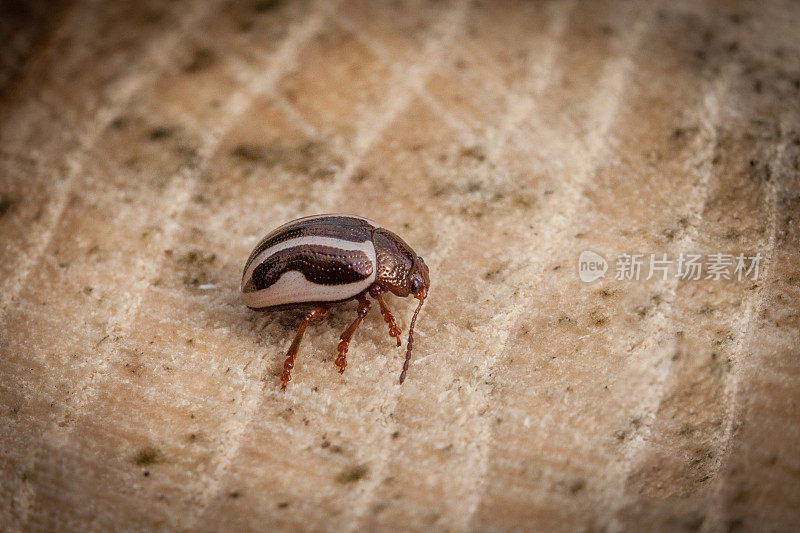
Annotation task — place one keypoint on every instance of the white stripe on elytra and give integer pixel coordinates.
(311, 240)
(293, 287)
(366, 247)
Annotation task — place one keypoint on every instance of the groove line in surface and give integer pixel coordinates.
(742, 358)
(513, 116)
(370, 131)
(618, 472)
(604, 106)
(179, 193)
(159, 50)
(121, 93)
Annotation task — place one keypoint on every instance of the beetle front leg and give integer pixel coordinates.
(394, 331)
(363, 309)
(318, 313)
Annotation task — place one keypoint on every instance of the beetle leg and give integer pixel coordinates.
(394, 331)
(363, 309)
(317, 313)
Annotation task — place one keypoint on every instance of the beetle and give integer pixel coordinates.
(322, 260)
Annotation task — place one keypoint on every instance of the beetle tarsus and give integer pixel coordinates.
(394, 331)
(315, 314)
(341, 361)
(363, 309)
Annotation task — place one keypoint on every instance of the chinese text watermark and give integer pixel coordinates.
(683, 266)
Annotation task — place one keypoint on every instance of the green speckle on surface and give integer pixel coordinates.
(353, 474)
(147, 456)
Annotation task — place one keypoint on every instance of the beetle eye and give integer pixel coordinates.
(421, 260)
(415, 286)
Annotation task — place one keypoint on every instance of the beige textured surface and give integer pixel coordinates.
(145, 148)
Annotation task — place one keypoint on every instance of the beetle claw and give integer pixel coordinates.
(341, 361)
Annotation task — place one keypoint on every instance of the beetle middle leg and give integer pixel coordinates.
(363, 309)
(318, 313)
(394, 331)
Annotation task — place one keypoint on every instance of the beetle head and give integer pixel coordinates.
(399, 269)
(404, 273)
(419, 280)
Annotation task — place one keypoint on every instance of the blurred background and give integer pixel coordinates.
(145, 148)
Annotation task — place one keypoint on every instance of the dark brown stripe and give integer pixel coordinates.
(338, 227)
(323, 265)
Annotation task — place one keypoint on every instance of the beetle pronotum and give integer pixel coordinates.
(322, 260)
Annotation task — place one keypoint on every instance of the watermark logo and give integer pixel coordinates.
(685, 266)
(591, 266)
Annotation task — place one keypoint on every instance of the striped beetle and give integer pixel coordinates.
(322, 260)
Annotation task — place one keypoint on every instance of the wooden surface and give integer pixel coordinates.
(145, 147)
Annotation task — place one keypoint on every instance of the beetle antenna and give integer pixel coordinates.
(410, 343)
